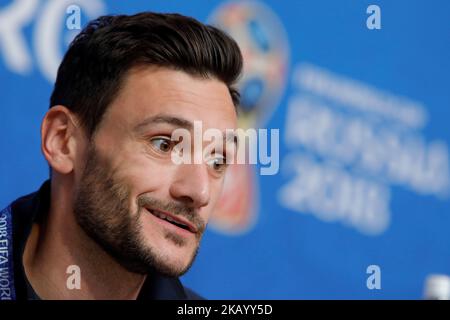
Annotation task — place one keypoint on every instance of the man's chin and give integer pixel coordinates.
(170, 269)
(173, 265)
(169, 257)
(148, 264)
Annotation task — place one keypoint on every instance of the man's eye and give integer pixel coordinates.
(217, 163)
(162, 144)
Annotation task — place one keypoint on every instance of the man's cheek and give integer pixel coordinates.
(208, 211)
(216, 191)
(138, 178)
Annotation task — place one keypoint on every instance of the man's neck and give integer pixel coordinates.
(59, 243)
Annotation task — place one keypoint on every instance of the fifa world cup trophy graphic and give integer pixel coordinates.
(264, 46)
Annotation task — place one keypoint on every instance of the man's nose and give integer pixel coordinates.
(191, 185)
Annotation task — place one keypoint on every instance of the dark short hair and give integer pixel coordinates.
(97, 61)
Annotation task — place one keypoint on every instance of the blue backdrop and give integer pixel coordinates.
(361, 98)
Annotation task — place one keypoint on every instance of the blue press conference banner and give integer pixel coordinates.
(360, 93)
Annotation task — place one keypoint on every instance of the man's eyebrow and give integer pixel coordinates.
(231, 137)
(168, 119)
(180, 123)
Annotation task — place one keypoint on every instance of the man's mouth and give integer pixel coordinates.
(173, 219)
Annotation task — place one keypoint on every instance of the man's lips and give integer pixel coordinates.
(174, 219)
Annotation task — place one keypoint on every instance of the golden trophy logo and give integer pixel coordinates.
(264, 46)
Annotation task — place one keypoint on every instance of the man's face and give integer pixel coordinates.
(126, 181)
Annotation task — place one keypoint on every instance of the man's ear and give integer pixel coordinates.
(58, 139)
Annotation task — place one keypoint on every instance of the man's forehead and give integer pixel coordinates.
(147, 94)
(177, 86)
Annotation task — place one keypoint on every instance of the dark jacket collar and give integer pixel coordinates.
(33, 208)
